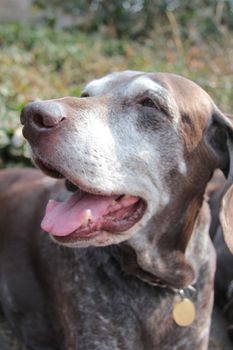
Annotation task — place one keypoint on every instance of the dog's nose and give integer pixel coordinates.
(42, 115)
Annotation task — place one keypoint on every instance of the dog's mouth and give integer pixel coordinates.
(88, 213)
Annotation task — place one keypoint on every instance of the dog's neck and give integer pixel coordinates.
(128, 263)
(157, 263)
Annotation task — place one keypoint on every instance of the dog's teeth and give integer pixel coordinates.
(86, 217)
(114, 202)
(126, 196)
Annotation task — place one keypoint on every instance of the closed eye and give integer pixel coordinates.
(147, 102)
(152, 104)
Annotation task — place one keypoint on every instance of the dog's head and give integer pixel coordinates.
(138, 150)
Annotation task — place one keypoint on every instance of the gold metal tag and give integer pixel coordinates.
(184, 312)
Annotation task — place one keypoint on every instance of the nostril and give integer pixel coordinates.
(38, 120)
(46, 121)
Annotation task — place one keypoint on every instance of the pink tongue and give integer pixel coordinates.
(63, 218)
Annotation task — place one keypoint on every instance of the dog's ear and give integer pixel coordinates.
(225, 124)
(226, 217)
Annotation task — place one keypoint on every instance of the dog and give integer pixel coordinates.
(131, 160)
(224, 272)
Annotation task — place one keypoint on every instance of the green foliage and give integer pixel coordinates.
(134, 18)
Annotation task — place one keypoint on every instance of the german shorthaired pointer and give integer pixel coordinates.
(136, 151)
(224, 268)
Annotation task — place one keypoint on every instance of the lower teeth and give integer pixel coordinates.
(86, 217)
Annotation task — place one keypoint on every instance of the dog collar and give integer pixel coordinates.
(184, 310)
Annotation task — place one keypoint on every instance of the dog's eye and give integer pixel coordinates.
(85, 94)
(147, 102)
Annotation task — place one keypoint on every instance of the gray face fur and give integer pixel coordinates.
(116, 143)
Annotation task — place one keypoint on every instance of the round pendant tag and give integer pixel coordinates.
(184, 312)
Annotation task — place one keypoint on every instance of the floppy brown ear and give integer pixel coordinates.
(226, 208)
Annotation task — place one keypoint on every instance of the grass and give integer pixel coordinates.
(37, 62)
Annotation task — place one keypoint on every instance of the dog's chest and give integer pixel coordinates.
(99, 307)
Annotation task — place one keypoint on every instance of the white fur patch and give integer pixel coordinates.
(182, 167)
(96, 87)
(142, 84)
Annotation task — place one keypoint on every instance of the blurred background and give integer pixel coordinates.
(50, 49)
